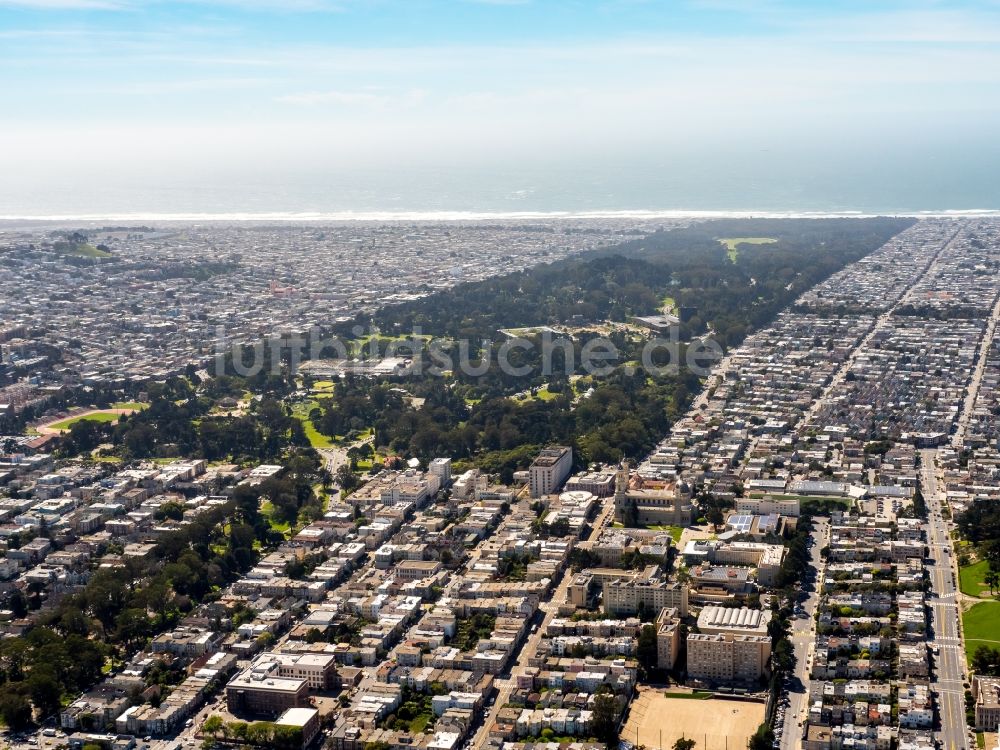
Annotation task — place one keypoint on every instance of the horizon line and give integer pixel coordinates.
(476, 216)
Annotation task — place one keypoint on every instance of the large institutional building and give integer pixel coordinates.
(549, 470)
(647, 502)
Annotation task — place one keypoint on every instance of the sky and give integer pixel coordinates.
(262, 89)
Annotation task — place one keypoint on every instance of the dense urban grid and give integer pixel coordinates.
(808, 558)
(161, 298)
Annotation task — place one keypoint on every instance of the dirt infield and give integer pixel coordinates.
(62, 424)
(713, 723)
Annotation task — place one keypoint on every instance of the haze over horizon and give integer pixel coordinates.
(218, 106)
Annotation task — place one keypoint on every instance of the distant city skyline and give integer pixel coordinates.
(112, 96)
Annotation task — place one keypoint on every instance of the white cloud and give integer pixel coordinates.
(351, 104)
(370, 97)
(923, 26)
(284, 6)
(331, 97)
(65, 4)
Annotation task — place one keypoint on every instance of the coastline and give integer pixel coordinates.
(468, 216)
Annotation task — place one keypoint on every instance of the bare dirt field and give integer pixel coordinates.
(713, 723)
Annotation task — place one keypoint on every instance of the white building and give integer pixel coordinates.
(549, 470)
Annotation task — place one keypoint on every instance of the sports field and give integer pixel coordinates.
(94, 415)
(713, 723)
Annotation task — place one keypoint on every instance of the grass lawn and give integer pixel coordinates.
(100, 416)
(670, 305)
(105, 459)
(546, 395)
(675, 531)
(419, 724)
(811, 501)
(732, 244)
(981, 624)
(86, 250)
(134, 405)
(971, 579)
(365, 346)
(316, 438)
(267, 510)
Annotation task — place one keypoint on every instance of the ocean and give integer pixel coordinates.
(740, 184)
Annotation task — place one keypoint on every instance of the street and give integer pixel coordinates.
(962, 425)
(549, 608)
(803, 637)
(949, 656)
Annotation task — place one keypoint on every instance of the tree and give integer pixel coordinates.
(14, 710)
(172, 510)
(646, 650)
(45, 691)
(286, 737)
(18, 604)
(762, 739)
(346, 478)
(260, 733)
(132, 627)
(605, 719)
(559, 527)
(992, 579)
(684, 744)
(314, 635)
(237, 730)
(715, 517)
(213, 725)
(986, 660)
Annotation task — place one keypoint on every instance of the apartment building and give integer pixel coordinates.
(986, 691)
(625, 596)
(768, 505)
(318, 670)
(727, 657)
(549, 470)
(668, 638)
(265, 694)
